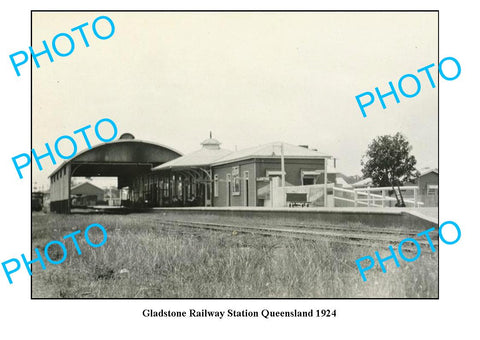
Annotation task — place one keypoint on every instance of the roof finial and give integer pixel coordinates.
(210, 134)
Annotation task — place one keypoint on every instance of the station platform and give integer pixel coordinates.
(414, 218)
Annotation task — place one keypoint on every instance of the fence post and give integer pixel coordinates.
(355, 197)
(415, 205)
(368, 196)
(383, 198)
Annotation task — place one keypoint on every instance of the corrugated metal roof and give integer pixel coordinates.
(425, 171)
(271, 150)
(199, 158)
(86, 184)
(118, 142)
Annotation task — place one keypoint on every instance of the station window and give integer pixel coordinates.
(215, 186)
(179, 191)
(308, 180)
(229, 189)
(235, 181)
(166, 184)
(310, 177)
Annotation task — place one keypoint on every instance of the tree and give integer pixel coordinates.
(388, 163)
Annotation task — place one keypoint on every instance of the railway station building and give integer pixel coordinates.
(243, 178)
(159, 176)
(126, 158)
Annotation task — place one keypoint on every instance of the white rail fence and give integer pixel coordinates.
(366, 196)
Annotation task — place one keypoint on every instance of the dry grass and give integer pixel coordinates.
(143, 259)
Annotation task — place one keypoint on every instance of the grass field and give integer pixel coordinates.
(142, 259)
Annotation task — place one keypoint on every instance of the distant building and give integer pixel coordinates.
(86, 194)
(427, 183)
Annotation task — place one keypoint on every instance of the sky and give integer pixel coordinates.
(250, 78)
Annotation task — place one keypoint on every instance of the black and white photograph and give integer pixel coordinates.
(235, 154)
(238, 170)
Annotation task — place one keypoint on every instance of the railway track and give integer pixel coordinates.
(360, 236)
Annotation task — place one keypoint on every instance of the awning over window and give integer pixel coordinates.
(312, 172)
(275, 173)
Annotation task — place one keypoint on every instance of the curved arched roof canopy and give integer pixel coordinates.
(122, 158)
